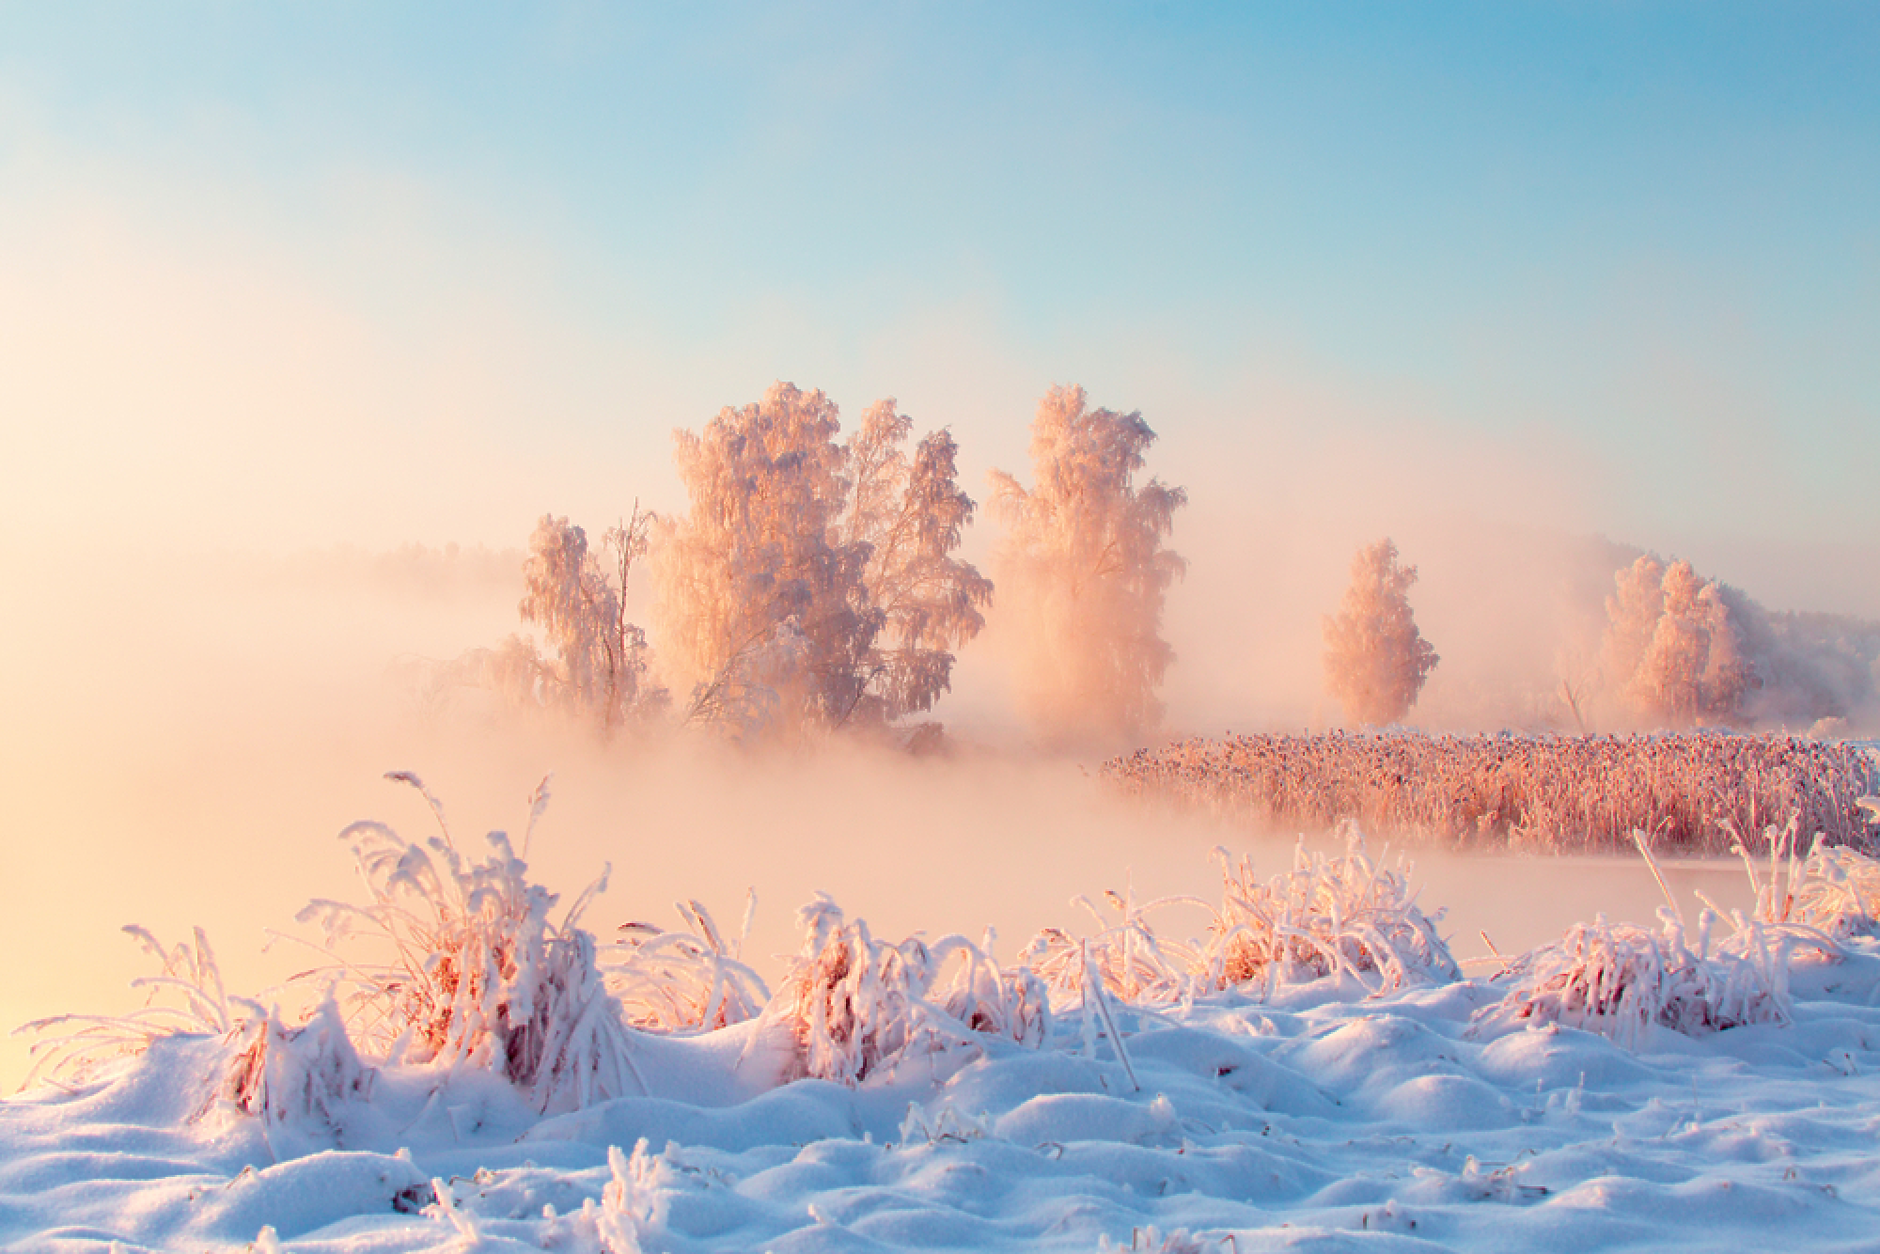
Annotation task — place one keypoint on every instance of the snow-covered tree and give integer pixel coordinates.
(598, 664)
(1375, 659)
(1085, 569)
(798, 555)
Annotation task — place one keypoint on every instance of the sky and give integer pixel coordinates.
(278, 277)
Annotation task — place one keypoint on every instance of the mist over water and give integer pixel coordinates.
(200, 731)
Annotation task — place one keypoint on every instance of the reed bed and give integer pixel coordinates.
(1544, 793)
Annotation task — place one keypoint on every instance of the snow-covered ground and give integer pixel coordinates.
(1321, 1119)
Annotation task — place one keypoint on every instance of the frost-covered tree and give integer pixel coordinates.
(1673, 651)
(809, 583)
(598, 664)
(1085, 569)
(757, 559)
(1375, 659)
(911, 515)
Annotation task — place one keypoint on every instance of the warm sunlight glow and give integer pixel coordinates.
(1187, 629)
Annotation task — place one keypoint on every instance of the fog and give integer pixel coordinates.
(189, 736)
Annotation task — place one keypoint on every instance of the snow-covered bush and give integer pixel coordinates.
(670, 981)
(1010, 1002)
(1329, 916)
(284, 1075)
(631, 1201)
(471, 971)
(855, 1003)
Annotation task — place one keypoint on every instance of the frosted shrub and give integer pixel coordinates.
(670, 981)
(632, 1201)
(1124, 956)
(475, 973)
(1151, 1241)
(855, 1003)
(286, 1076)
(1618, 979)
(1329, 916)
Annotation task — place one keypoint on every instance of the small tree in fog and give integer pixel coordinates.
(911, 515)
(1672, 650)
(1375, 659)
(1085, 565)
(809, 583)
(599, 658)
(1632, 613)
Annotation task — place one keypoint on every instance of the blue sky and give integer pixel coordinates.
(368, 273)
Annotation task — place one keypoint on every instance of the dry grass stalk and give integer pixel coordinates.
(186, 999)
